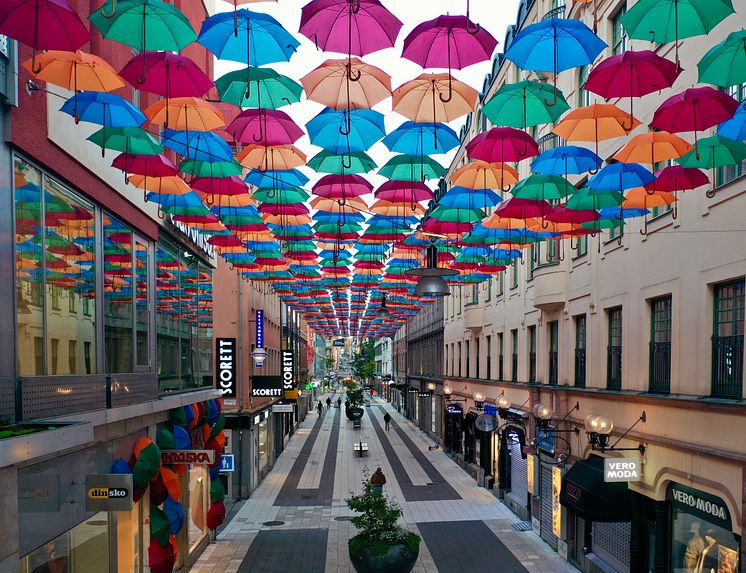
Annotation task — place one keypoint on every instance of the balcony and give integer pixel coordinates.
(474, 317)
(549, 287)
(558, 12)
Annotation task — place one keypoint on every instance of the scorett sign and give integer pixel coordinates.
(225, 364)
(266, 386)
(288, 370)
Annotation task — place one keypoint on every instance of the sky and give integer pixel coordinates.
(493, 15)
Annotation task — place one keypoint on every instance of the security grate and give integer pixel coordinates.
(611, 543)
(518, 470)
(546, 506)
(522, 526)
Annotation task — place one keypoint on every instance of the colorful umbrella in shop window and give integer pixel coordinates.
(174, 512)
(216, 515)
(146, 460)
(43, 25)
(161, 559)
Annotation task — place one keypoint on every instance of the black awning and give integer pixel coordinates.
(585, 492)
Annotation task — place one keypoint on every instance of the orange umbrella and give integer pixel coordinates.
(351, 205)
(421, 99)
(171, 481)
(278, 157)
(218, 200)
(171, 185)
(653, 147)
(596, 122)
(76, 71)
(185, 113)
(494, 221)
(396, 209)
(482, 175)
(641, 198)
(286, 219)
(347, 84)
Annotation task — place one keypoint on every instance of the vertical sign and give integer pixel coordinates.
(288, 367)
(259, 328)
(225, 364)
(530, 473)
(556, 507)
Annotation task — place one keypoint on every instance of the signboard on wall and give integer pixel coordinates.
(225, 366)
(198, 457)
(108, 492)
(288, 370)
(530, 472)
(339, 342)
(266, 386)
(622, 469)
(556, 506)
(259, 328)
(454, 410)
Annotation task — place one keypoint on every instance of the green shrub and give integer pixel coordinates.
(355, 398)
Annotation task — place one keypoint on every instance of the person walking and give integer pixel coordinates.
(377, 480)
(387, 420)
(339, 402)
(328, 404)
(319, 407)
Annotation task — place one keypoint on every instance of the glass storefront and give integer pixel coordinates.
(263, 444)
(199, 499)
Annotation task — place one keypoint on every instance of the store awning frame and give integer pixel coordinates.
(585, 493)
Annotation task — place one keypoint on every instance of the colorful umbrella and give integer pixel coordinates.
(715, 151)
(199, 145)
(566, 159)
(328, 162)
(409, 168)
(258, 87)
(620, 176)
(652, 148)
(346, 131)
(734, 128)
(482, 175)
(422, 139)
(75, 71)
(160, 528)
(109, 110)
(332, 84)
(502, 144)
(524, 104)
(596, 122)
(416, 99)
(724, 64)
(168, 75)
(266, 126)
(185, 113)
(404, 191)
(677, 178)
(280, 157)
(127, 140)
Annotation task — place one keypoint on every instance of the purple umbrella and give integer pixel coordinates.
(448, 42)
(266, 127)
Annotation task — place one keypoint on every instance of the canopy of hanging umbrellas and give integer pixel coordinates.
(340, 250)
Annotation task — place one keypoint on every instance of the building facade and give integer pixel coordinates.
(644, 327)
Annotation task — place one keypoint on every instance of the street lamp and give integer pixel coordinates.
(479, 400)
(431, 387)
(543, 414)
(599, 428)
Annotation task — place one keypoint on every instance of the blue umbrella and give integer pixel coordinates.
(109, 110)
(190, 199)
(175, 513)
(258, 38)
(326, 217)
(421, 138)
(286, 179)
(464, 198)
(199, 145)
(620, 176)
(183, 442)
(346, 130)
(555, 45)
(735, 128)
(566, 159)
(621, 213)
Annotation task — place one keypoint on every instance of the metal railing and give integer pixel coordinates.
(558, 12)
(727, 366)
(660, 367)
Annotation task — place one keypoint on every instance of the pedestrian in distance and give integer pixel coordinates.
(377, 480)
(328, 403)
(387, 419)
(339, 402)
(319, 407)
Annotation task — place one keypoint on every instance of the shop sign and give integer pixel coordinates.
(108, 492)
(486, 423)
(225, 349)
(454, 410)
(490, 410)
(530, 469)
(266, 386)
(282, 408)
(230, 402)
(259, 355)
(339, 342)
(622, 469)
(197, 457)
(288, 370)
(423, 394)
(259, 328)
(556, 506)
(39, 493)
(291, 395)
(704, 505)
(227, 463)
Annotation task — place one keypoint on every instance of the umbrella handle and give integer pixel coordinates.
(344, 163)
(450, 88)
(113, 12)
(34, 69)
(545, 225)
(710, 193)
(355, 6)
(574, 247)
(261, 133)
(346, 127)
(554, 99)
(505, 188)
(160, 213)
(353, 76)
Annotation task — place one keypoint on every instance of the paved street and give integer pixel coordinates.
(464, 528)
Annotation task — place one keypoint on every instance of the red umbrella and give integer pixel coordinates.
(695, 109)
(283, 209)
(502, 144)
(448, 42)
(632, 74)
(225, 241)
(445, 227)
(266, 126)
(515, 208)
(43, 25)
(147, 165)
(342, 186)
(404, 191)
(212, 186)
(561, 214)
(677, 178)
(161, 559)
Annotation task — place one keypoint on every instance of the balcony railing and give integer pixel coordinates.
(614, 368)
(558, 12)
(660, 367)
(553, 367)
(580, 367)
(727, 366)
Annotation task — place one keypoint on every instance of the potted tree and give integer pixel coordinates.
(381, 546)
(354, 404)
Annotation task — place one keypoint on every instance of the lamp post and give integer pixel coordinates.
(599, 428)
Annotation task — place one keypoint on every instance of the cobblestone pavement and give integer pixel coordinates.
(464, 527)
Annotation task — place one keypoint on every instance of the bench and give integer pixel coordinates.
(361, 447)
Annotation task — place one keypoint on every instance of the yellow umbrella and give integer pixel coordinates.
(421, 99)
(347, 84)
(185, 113)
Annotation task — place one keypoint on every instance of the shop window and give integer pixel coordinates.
(118, 292)
(660, 345)
(611, 542)
(142, 349)
(614, 350)
(532, 354)
(580, 345)
(727, 339)
(263, 445)
(199, 499)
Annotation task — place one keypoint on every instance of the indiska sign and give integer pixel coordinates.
(197, 457)
(225, 351)
(622, 469)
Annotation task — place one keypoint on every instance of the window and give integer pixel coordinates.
(72, 355)
(614, 350)
(514, 350)
(468, 358)
(580, 345)
(489, 357)
(54, 294)
(554, 352)
(584, 96)
(459, 359)
(619, 38)
(142, 313)
(489, 289)
(54, 355)
(38, 355)
(477, 357)
(514, 275)
(474, 294)
(71, 305)
(730, 173)
(532, 354)
(118, 314)
(500, 282)
(500, 357)
(660, 345)
(581, 248)
(727, 340)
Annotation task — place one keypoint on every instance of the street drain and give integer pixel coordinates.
(273, 523)
(343, 518)
(522, 526)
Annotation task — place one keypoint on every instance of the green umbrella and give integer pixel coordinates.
(328, 162)
(160, 528)
(334, 228)
(268, 89)
(145, 25)
(217, 169)
(146, 466)
(127, 140)
(588, 199)
(724, 64)
(664, 21)
(217, 491)
(409, 168)
(524, 104)
(715, 151)
(611, 223)
(540, 187)
(165, 439)
(282, 196)
(443, 213)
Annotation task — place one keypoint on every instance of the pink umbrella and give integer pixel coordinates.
(515, 208)
(452, 42)
(695, 109)
(168, 75)
(445, 227)
(677, 178)
(283, 209)
(403, 191)
(212, 186)
(561, 214)
(502, 144)
(266, 126)
(147, 165)
(342, 186)
(225, 241)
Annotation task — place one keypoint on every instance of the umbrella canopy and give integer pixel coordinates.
(596, 122)
(566, 159)
(258, 87)
(524, 104)
(465, 198)
(109, 110)
(341, 131)
(620, 176)
(265, 126)
(632, 74)
(724, 64)
(677, 178)
(694, 109)
(280, 157)
(422, 139)
(652, 148)
(482, 175)
(734, 128)
(166, 74)
(424, 99)
(332, 84)
(541, 187)
(355, 162)
(404, 191)
(715, 151)
(185, 113)
(200, 145)
(502, 144)
(75, 71)
(341, 186)
(409, 168)
(127, 140)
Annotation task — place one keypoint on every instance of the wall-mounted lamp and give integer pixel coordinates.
(448, 393)
(479, 400)
(599, 429)
(431, 387)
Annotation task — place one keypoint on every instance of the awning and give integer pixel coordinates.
(585, 492)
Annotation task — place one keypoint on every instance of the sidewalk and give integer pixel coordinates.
(464, 528)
